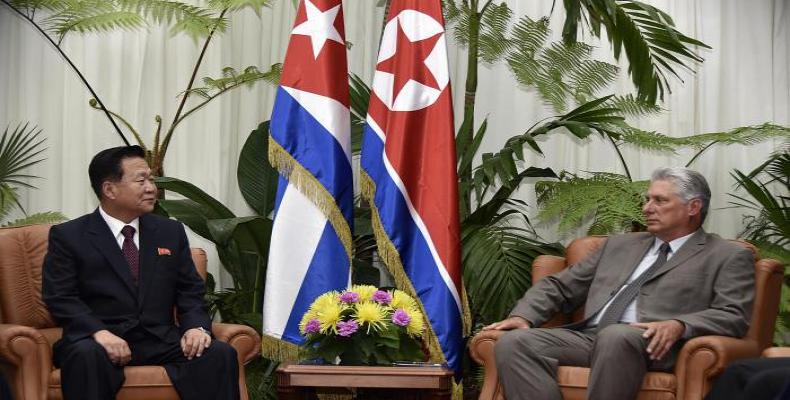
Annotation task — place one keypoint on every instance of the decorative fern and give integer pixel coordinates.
(231, 78)
(493, 43)
(612, 201)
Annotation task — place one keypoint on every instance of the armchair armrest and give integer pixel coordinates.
(30, 356)
(243, 338)
(482, 351)
(772, 352)
(703, 358)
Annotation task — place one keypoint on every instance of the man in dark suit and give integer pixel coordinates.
(116, 303)
(644, 294)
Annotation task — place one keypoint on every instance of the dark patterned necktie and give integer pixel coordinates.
(620, 303)
(130, 251)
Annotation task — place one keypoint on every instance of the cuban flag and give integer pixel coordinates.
(408, 163)
(310, 250)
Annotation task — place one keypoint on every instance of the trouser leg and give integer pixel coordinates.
(756, 378)
(212, 376)
(86, 372)
(619, 363)
(527, 360)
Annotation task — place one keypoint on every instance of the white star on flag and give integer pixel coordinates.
(320, 26)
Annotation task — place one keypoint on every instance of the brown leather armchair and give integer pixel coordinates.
(700, 360)
(27, 331)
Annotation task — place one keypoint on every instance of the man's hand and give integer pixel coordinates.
(662, 335)
(194, 342)
(117, 349)
(508, 324)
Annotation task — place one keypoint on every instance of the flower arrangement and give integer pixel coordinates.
(364, 325)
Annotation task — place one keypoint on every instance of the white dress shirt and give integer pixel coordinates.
(629, 315)
(116, 225)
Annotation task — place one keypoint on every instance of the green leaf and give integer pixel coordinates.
(611, 201)
(257, 179)
(190, 213)
(211, 207)
(497, 263)
(653, 46)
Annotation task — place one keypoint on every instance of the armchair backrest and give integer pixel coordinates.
(22, 251)
(768, 285)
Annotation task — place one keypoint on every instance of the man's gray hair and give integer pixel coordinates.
(689, 183)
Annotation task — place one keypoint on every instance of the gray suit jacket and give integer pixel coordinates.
(708, 284)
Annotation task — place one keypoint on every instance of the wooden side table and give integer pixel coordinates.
(298, 382)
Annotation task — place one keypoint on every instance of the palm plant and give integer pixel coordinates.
(769, 229)
(20, 149)
(58, 19)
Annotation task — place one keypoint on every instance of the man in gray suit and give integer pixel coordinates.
(644, 294)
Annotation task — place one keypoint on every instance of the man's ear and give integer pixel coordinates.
(695, 207)
(108, 190)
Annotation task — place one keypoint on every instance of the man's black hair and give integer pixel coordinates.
(106, 165)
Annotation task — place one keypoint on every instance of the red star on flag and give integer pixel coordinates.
(408, 62)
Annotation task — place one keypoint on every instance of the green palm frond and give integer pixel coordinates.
(31, 6)
(612, 201)
(773, 223)
(653, 46)
(493, 42)
(592, 117)
(649, 140)
(107, 15)
(746, 135)
(20, 149)
(497, 264)
(49, 217)
(630, 106)
(8, 200)
(231, 78)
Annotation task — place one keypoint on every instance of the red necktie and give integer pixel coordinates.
(130, 251)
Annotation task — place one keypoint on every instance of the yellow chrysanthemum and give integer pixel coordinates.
(402, 300)
(416, 324)
(365, 292)
(327, 310)
(371, 315)
(324, 300)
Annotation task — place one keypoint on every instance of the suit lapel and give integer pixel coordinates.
(103, 240)
(148, 240)
(633, 257)
(693, 245)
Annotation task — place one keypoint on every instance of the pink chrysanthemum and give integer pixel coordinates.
(347, 328)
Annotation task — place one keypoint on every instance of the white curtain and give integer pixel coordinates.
(745, 80)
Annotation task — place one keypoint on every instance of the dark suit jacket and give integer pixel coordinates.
(87, 285)
(708, 284)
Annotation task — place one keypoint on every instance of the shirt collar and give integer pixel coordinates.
(116, 225)
(673, 245)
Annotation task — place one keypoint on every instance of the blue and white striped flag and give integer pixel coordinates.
(310, 144)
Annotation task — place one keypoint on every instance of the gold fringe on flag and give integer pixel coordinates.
(389, 254)
(279, 350)
(467, 317)
(308, 185)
